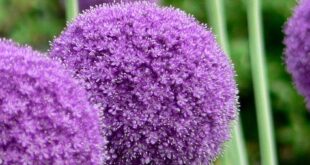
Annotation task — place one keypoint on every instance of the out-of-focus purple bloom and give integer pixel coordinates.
(297, 52)
(45, 117)
(165, 87)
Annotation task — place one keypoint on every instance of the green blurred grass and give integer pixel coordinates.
(36, 22)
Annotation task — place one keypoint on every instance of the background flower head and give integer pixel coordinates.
(165, 87)
(45, 117)
(297, 41)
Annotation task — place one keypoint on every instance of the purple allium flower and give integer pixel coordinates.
(165, 87)
(45, 117)
(297, 41)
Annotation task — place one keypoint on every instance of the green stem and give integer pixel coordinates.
(263, 110)
(72, 9)
(238, 150)
(235, 153)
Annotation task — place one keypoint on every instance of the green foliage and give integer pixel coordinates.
(32, 22)
(35, 22)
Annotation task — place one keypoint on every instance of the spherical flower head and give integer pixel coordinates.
(45, 117)
(297, 41)
(166, 89)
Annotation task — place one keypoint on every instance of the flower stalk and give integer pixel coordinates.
(72, 9)
(262, 100)
(235, 152)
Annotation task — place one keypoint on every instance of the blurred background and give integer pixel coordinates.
(36, 22)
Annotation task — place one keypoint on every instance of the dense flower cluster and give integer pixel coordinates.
(297, 41)
(45, 117)
(165, 87)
